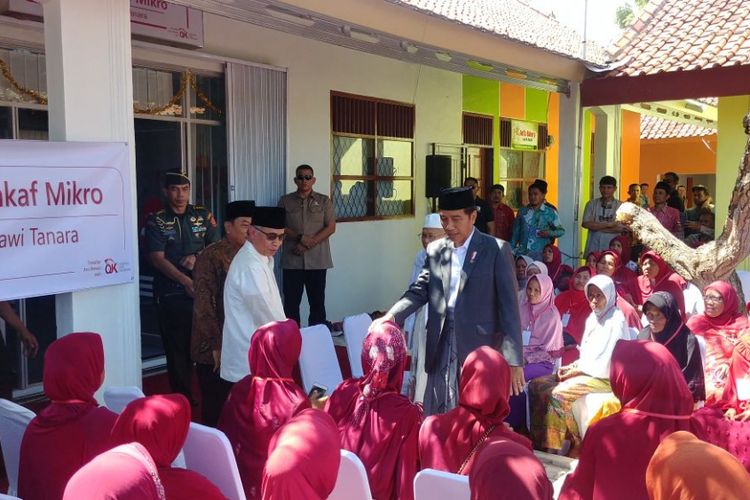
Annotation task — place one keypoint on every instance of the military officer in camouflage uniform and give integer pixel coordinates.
(174, 237)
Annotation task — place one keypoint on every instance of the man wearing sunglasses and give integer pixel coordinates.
(251, 295)
(306, 253)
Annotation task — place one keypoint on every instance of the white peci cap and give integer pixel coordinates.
(432, 221)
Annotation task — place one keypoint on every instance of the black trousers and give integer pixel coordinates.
(214, 392)
(314, 282)
(175, 326)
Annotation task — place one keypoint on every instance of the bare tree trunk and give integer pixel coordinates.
(716, 260)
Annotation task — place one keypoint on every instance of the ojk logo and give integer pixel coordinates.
(110, 266)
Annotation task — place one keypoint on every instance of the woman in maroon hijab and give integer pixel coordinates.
(376, 422)
(124, 473)
(264, 400)
(449, 442)
(303, 458)
(73, 429)
(160, 423)
(616, 450)
(505, 470)
(658, 276)
(556, 270)
(626, 281)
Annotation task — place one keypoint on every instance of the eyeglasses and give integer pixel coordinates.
(272, 236)
(714, 299)
(304, 177)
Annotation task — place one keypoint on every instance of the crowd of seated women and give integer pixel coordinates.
(675, 414)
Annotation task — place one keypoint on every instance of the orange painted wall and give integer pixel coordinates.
(630, 152)
(512, 101)
(553, 153)
(684, 156)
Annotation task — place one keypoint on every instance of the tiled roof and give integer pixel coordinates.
(677, 35)
(653, 127)
(513, 20)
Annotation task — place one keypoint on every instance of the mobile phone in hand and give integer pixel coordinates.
(318, 391)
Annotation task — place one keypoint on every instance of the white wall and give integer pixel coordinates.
(372, 259)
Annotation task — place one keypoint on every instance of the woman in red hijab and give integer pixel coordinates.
(506, 470)
(726, 423)
(449, 442)
(556, 270)
(123, 473)
(376, 422)
(264, 400)
(160, 423)
(73, 429)
(616, 450)
(574, 309)
(303, 458)
(658, 276)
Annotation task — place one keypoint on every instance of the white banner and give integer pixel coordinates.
(65, 217)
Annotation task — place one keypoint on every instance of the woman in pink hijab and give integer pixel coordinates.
(505, 470)
(616, 451)
(376, 422)
(719, 326)
(264, 400)
(160, 423)
(303, 458)
(73, 429)
(449, 441)
(542, 339)
(123, 473)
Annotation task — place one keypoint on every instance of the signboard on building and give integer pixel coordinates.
(65, 217)
(153, 20)
(524, 135)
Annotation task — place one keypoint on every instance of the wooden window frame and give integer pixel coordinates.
(372, 180)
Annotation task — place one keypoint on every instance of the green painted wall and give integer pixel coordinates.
(483, 96)
(536, 105)
(585, 187)
(730, 147)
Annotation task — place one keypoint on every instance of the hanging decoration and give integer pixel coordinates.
(37, 96)
(171, 107)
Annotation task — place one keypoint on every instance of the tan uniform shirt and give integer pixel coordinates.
(307, 216)
(209, 275)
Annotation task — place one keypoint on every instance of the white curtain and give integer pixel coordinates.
(256, 133)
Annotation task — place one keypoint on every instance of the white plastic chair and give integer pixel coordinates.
(117, 398)
(318, 362)
(557, 468)
(13, 422)
(431, 484)
(8, 497)
(586, 407)
(355, 331)
(208, 452)
(744, 277)
(693, 300)
(351, 483)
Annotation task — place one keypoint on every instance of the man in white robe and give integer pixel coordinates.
(415, 325)
(251, 295)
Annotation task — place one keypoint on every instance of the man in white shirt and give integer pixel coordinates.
(251, 295)
(415, 325)
(599, 217)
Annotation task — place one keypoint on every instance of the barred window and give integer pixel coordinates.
(372, 156)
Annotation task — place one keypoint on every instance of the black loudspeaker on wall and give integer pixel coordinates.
(438, 174)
